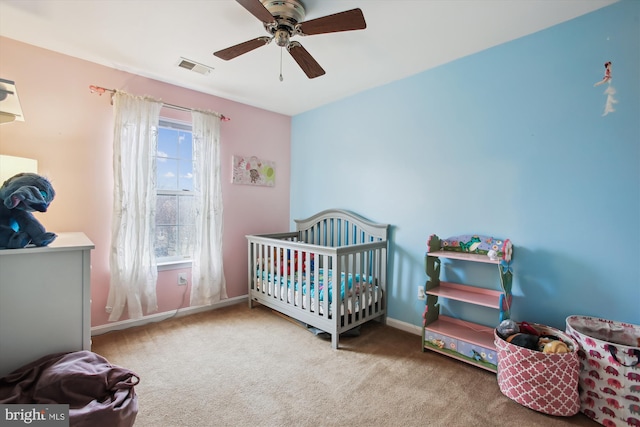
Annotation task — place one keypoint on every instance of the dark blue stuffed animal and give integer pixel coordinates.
(19, 196)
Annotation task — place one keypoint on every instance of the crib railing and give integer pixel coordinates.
(293, 277)
(335, 228)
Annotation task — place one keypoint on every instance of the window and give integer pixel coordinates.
(175, 201)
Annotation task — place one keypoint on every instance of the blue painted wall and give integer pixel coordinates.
(510, 142)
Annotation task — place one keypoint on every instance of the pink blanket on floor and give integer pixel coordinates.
(98, 393)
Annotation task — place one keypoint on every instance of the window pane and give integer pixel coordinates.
(174, 225)
(166, 241)
(168, 142)
(186, 210)
(186, 175)
(167, 174)
(186, 161)
(186, 142)
(166, 210)
(185, 247)
(175, 160)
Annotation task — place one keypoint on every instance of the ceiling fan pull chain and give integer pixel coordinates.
(281, 63)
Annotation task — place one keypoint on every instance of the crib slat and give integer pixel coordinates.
(364, 287)
(355, 265)
(307, 278)
(250, 274)
(327, 270)
(315, 293)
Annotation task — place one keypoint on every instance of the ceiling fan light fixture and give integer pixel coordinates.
(282, 37)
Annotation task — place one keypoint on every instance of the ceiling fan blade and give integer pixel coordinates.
(343, 21)
(242, 48)
(309, 65)
(257, 9)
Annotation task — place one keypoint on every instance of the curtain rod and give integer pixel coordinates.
(100, 90)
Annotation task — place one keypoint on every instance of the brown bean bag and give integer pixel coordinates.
(98, 393)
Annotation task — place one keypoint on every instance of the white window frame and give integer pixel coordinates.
(171, 262)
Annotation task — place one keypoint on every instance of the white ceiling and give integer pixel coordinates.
(402, 38)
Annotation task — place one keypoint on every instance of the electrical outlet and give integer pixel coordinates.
(421, 294)
(182, 279)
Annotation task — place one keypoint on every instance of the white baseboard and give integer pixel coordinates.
(129, 323)
(158, 317)
(404, 326)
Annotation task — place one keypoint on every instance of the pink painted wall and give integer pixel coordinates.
(69, 131)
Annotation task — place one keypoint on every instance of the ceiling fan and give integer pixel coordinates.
(283, 19)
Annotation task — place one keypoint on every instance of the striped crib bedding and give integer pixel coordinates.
(359, 293)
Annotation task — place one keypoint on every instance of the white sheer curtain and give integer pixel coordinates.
(207, 275)
(132, 259)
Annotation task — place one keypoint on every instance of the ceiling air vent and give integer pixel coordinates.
(194, 66)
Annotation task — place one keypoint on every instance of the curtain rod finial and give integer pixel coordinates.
(97, 89)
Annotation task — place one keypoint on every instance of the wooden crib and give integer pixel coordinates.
(331, 273)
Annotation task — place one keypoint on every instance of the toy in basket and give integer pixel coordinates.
(609, 355)
(538, 367)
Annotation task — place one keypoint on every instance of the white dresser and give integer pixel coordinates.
(45, 300)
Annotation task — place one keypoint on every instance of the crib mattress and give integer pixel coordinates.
(360, 290)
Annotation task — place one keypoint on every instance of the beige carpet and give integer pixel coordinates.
(239, 367)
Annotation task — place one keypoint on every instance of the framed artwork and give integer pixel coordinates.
(253, 171)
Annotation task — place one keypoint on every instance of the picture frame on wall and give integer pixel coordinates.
(251, 170)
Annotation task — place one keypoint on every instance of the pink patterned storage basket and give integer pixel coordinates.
(540, 381)
(609, 369)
